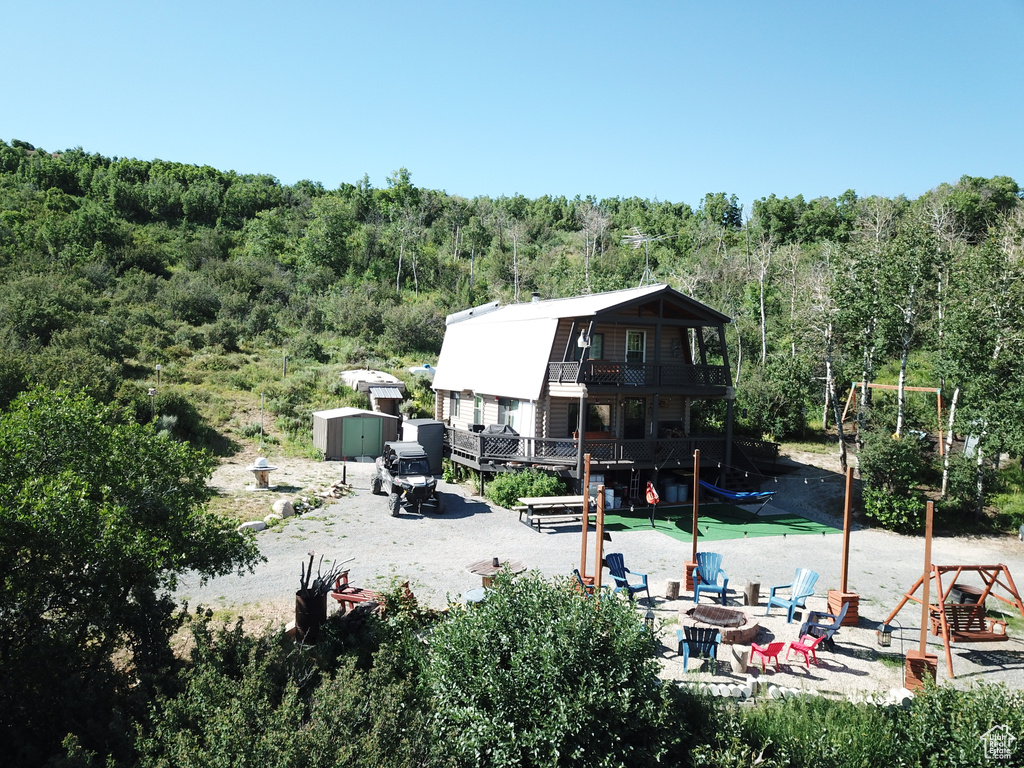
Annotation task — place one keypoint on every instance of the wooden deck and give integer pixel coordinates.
(491, 453)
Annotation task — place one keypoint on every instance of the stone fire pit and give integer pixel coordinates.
(736, 626)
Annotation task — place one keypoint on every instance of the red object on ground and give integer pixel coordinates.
(805, 646)
(652, 494)
(766, 653)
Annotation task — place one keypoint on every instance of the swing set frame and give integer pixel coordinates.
(851, 400)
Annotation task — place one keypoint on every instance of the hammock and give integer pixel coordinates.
(742, 497)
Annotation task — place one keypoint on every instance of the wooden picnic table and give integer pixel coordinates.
(551, 508)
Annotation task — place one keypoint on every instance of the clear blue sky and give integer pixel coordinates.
(666, 100)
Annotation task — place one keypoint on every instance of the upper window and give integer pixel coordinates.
(636, 346)
(453, 409)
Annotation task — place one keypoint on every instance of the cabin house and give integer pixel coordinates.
(616, 375)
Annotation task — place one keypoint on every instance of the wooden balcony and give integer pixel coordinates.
(670, 376)
(482, 451)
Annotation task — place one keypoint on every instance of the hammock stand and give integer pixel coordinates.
(742, 497)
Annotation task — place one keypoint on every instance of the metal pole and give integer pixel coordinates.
(586, 514)
(696, 500)
(600, 541)
(846, 529)
(580, 434)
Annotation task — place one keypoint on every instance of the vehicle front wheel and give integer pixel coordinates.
(441, 505)
(394, 504)
(375, 486)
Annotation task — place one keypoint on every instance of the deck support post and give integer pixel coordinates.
(580, 435)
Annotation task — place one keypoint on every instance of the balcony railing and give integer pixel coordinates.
(478, 447)
(671, 375)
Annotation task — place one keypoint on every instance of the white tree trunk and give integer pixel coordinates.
(949, 442)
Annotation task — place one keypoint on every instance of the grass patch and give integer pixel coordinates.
(818, 443)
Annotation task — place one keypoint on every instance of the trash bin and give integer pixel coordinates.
(310, 614)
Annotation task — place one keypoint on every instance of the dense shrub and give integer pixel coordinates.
(409, 328)
(771, 400)
(902, 512)
(258, 699)
(507, 487)
(539, 675)
(891, 468)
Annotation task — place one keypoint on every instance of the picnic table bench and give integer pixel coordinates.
(349, 595)
(551, 509)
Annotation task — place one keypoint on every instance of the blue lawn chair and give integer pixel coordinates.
(801, 588)
(816, 628)
(699, 641)
(709, 568)
(618, 570)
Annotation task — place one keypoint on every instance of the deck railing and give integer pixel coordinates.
(672, 375)
(479, 447)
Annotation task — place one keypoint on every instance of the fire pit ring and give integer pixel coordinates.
(737, 627)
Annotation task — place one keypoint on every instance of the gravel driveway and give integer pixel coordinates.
(432, 551)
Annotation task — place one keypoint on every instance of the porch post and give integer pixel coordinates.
(580, 434)
(729, 401)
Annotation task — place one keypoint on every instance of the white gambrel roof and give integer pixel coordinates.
(505, 350)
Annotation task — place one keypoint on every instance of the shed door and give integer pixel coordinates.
(361, 437)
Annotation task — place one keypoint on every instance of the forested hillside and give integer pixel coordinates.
(239, 286)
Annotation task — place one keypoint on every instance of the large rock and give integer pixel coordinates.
(252, 525)
(283, 508)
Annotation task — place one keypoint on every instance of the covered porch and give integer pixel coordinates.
(498, 452)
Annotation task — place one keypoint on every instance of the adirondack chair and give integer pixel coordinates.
(814, 626)
(801, 588)
(699, 641)
(587, 589)
(618, 570)
(709, 568)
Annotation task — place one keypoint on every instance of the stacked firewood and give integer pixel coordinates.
(334, 491)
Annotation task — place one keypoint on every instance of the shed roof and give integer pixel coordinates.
(505, 350)
(386, 393)
(337, 413)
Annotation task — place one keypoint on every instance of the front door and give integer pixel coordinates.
(633, 421)
(636, 353)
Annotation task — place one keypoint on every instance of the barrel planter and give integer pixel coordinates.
(310, 614)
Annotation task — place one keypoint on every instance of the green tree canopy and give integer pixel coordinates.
(540, 675)
(98, 516)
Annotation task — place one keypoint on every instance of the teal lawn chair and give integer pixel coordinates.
(801, 588)
(699, 641)
(709, 568)
(618, 570)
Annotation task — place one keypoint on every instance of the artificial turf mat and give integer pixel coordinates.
(716, 522)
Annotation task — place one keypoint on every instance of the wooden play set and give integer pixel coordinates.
(958, 615)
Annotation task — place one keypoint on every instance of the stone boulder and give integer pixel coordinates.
(283, 508)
